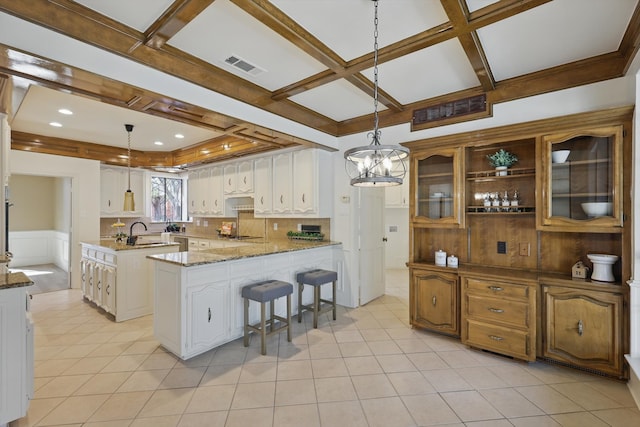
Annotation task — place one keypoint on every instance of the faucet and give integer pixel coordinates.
(131, 240)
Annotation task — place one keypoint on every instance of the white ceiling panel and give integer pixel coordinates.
(339, 100)
(427, 73)
(138, 14)
(97, 122)
(223, 30)
(554, 34)
(474, 5)
(346, 26)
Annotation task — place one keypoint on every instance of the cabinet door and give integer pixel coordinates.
(193, 190)
(138, 188)
(436, 182)
(204, 191)
(244, 179)
(84, 278)
(582, 181)
(230, 177)
(397, 196)
(90, 269)
(304, 185)
(263, 186)
(109, 289)
(216, 192)
(583, 328)
(111, 192)
(282, 183)
(208, 307)
(434, 301)
(97, 283)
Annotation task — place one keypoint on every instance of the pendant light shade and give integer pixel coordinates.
(129, 202)
(376, 165)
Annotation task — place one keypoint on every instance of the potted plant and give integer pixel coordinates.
(501, 160)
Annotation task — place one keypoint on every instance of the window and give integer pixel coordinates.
(166, 199)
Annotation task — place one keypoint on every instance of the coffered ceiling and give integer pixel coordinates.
(309, 61)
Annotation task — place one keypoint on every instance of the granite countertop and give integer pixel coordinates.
(14, 280)
(145, 244)
(210, 256)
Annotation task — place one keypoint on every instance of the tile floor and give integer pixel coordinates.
(368, 368)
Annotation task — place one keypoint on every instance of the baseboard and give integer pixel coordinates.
(634, 377)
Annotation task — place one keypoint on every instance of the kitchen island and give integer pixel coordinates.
(118, 278)
(197, 300)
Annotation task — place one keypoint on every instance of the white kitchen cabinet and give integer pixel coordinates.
(113, 184)
(230, 178)
(205, 192)
(215, 191)
(397, 196)
(16, 354)
(263, 199)
(305, 177)
(208, 317)
(238, 177)
(282, 188)
(109, 288)
(193, 193)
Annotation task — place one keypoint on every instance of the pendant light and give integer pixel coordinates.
(129, 203)
(376, 165)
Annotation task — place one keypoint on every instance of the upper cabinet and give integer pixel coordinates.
(263, 187)
(436, 180)
(397, 196)
(581, 181)
(114, 181)
(238, 177)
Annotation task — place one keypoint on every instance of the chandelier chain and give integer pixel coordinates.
(376, 131)
(129, 159)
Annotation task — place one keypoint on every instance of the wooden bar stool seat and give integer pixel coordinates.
(267, 292)
(316, 278)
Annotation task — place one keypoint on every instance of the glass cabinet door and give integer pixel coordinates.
(438, 189)
(582, 179)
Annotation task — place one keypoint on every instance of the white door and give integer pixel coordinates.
(371, 244)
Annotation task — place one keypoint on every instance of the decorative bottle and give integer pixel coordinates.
(505, 202)
(515, 201)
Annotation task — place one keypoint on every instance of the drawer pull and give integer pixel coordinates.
(433, 300)
(580, 327)
(496, 338)
(209, 317)
(496, 310)
(495, 288)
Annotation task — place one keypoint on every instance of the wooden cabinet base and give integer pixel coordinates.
(434, 300)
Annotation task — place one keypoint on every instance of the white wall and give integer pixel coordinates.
(85, 195)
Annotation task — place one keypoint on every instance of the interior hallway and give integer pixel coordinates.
(368, 368)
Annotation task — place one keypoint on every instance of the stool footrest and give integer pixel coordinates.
(256, 327)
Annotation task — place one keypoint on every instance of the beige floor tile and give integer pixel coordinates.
(159, 361)
(387, 411)
(354, 349)
(256, 373)
(62, 386)
(114, 423)
(490, 423)
(363, 365)
(384, 347)
(395, 363)
(342, 414)
(410, 383)
(471, 406)
(164, 421)
(348, 336)
(167, 402)
(373, 386)
(121, 406)
(413, 346)
(372, 323)
(75, 409)
(47, 352)
(125, 363)
(550, 374)
(76, 351)
(548, 399)
(103, 383)
(338, 389)
(430, 410)
(444, 380)
(109, 349)
(459, 359)
(53, 368)
(227, 356)
(183, 377)
(209, 399)
(481, 378)
(259, 417)
(143, 380)
(618, 391)
(296, 415)
(254, 395)
(89, 365)
(142, 347)
(427, 361)
(204, 419)
(204, 359)
(514, 375)
(221, 374)
(324, 368)
(295, 392)
(622, 417)
(585, 396)
(579, 419)
(510, 403)
(38, 409)
(324, 350)
(289, 352)
(294, 370)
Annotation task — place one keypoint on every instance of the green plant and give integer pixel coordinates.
(502, 158)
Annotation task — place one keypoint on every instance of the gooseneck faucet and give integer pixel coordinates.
(131, 240)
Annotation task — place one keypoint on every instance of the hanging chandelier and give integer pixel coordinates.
(376, 165)
(129, 203)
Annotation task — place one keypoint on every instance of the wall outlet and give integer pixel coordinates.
(299, 227)
(502, 247)
(525, 249)
(275, 226)
(197, 223)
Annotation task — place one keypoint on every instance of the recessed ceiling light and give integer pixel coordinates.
(205, 151)
(226, 146)
(159, 143)
(65, 111)
(179, 135)
(55, 124)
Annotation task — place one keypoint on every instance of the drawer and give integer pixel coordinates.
(110, 258)
(498, 310)
(498, 289)
(511, 342)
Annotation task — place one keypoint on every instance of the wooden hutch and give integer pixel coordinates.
(513, 291)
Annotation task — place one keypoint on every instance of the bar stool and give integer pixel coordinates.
(263, 292)
(316, 278)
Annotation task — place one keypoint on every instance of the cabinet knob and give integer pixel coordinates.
(281, 199)
(433, 300)
(302, 197)
(496, 310)
(209, 318)
(244, 179)
(495, 288)
(262, 200)
(580, 327)
(496, 338)
(108, 290)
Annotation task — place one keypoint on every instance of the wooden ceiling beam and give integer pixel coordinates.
(175, 18)
(631, 40)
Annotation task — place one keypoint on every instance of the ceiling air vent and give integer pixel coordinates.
(245, 66)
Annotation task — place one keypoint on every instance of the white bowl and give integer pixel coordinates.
(602, 258)
(560, 156)
(596, 209)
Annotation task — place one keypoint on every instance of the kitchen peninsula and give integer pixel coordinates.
(198, 305)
